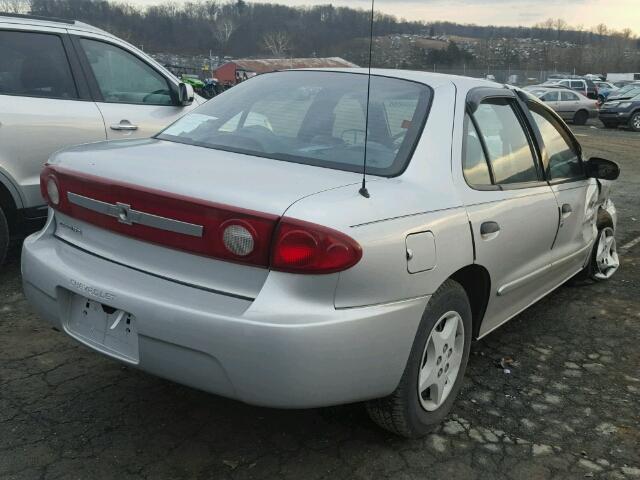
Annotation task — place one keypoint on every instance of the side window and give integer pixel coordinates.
(578, 85)
(569, 97)
(35, 65)
(474, 162)
(123, 78)
(564, 162)
(510, 153)
(550, 97)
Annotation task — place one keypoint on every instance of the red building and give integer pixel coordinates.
(239, 70)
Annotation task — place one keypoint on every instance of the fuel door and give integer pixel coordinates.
(421, 252)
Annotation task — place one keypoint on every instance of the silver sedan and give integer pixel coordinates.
(570, 105)
(239, 252)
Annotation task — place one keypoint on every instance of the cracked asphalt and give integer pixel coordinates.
(569, 407)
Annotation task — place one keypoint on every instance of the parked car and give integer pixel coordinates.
(604, 90)
(63, 83)
(568, 104)
(626, 92)
(586, 87)
(615, 113)
(239, 252)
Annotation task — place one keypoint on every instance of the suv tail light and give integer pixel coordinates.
(302, 247)
(228, 233)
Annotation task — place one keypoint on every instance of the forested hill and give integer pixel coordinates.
(239, 28)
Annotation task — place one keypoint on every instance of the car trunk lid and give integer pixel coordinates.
(161, 207)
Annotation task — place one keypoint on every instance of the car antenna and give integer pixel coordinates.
(363, 190)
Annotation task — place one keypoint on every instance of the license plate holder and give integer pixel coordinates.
(107, 329)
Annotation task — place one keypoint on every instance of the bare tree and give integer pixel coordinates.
(14, 6)
(277, 43)
(223, 31)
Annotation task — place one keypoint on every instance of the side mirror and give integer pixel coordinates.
(602, 169)
(185, 94)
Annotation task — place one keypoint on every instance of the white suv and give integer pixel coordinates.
(63, 83)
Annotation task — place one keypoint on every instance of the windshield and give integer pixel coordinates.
(314, 118)
(628, 90)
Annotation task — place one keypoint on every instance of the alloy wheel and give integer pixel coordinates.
(607, 261)
(441, 361)
(635, 122)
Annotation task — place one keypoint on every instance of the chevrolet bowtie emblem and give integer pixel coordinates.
(124, 213)
(128, 216)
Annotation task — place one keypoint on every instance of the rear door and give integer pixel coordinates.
(512, 210)
(575, 193)
(44, 106)
(568, 106)
(135, 99)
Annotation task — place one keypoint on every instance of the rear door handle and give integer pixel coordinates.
(124, 125)
(489, 230)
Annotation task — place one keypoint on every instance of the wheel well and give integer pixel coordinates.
(8, 205)
(476, 281)
(604, 219)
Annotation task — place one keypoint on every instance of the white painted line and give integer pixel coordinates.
(630, 245)
(581, 135)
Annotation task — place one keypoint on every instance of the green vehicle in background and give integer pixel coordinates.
(205, 89)
(192, 80)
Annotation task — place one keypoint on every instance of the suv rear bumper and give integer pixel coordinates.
(230, 346)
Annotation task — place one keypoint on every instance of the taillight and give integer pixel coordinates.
(302, 247)
(227, 233)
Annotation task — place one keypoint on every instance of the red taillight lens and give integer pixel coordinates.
(302, 247)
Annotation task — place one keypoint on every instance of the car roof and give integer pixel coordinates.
(37, 21)
(434, 80)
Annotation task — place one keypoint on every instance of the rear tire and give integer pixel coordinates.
(581, 117)
(438, 359)
(634, 123)
(4, 237)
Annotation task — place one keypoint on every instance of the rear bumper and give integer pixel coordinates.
(287, 354)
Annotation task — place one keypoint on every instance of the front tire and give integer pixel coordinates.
(604, 261)
(435, 369)
(634, 123)
(4, 237)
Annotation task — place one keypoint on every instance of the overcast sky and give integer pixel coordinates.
(617, 14)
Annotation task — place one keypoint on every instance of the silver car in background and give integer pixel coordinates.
(570, 105)
(63, 83)
(238, 252)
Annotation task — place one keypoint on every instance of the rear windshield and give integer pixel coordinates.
(314, 118)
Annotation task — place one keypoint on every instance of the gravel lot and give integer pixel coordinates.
(570, 408)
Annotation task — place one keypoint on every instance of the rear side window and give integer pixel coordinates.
(569, 97)
(564, 161)
(123, 78)
(474, 161)
(313, 118)
(35, 65)
(510, 153)
(577, 85)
